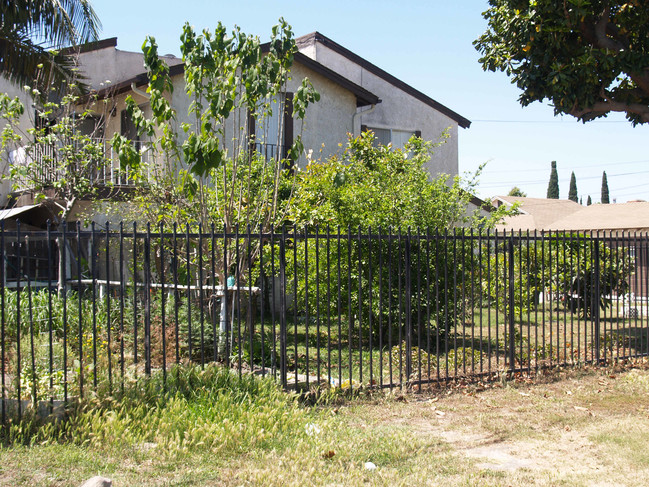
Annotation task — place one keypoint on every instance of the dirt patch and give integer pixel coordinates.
(548, 429)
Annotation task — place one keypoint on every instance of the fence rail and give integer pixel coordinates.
(90, 309)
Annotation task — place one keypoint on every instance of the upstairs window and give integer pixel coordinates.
(398, 138)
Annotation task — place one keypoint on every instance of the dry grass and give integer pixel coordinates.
(571, 427)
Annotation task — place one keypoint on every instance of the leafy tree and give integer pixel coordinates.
(380, 190)
(553, 184)
(564, 266)
(605, 197)
(516, 191)
(31, 33)
(572, 193)
(589, 201)
(61, 160)
(588, 58)
(203, 166)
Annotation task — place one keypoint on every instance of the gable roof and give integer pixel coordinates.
(564, 215)
(90, 46)
(535, 213)
(316, 36)
(363, 96)
(632, 216)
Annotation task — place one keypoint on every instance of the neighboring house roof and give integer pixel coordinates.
(314, 37)
(543, 214)
(534, 213)
(632, 217)
(363, 96)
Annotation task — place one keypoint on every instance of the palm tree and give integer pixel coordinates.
(32, 32)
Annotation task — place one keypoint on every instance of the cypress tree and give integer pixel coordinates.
(589, 201)
(572, 194)
(553, 185)
(605, 200)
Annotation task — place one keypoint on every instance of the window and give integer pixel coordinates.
(398, 138)
(268, 130)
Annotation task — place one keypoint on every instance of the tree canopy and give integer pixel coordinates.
(588, 58)
(572, 193)
(31, 33)
(553, 184)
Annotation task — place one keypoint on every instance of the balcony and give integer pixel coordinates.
(48, 168)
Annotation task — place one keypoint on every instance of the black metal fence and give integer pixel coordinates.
(91, 309)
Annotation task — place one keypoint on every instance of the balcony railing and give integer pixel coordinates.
(45, 161)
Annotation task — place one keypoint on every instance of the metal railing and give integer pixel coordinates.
(310, 307)
(45, 158)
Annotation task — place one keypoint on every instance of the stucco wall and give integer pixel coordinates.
(397, 110)
(114, 65)
(26, 122)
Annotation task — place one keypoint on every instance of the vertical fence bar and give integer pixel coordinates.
(597, 298)
(472, 300)
(328, 308)
(295, 302)
(340, 326)
(370, 263)
(399, 308)
(93, 293)
(317, 301)
(147, 301)
(262, 294)
(455, 265)
(462, 311)
(360, 307)
(390, 241)
(350, 314)
(174, 263)
(79, 309)
(163, 316)
(418, 304)
(212, 300)
(480, 298)
(446, 291)
(273, 299)
(108, 316)
(306, 303)
(511, 311)
(50, 320)
(135, 317)
(122, 291)
(237, 270)
(225, 324)
(282, 311)
(30, 308)
(380, 313)
(249, 318)
(201, 297)
(190, 336)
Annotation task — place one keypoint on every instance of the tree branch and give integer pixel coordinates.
(602, 107)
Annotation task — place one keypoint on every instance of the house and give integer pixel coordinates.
(533, 213)
(355, 95)
(623, 224)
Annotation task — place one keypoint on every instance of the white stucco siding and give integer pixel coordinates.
(324, 128)
(25, 123)
(398, 110)
(327, 121)
(113, 65)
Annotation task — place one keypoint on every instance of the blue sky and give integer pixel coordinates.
(429, 46)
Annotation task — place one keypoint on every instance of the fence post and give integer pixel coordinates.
(510, 305)
(147, 299)
(408, 308)
(282, 306)
(596, 301)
